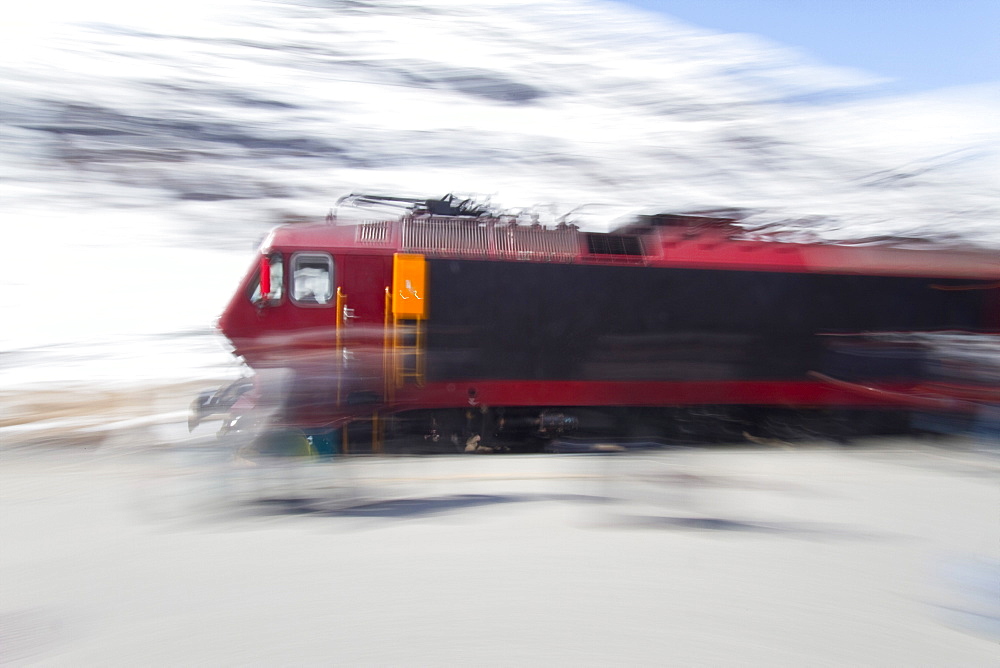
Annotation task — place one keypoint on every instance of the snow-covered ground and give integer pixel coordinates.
(130, 556)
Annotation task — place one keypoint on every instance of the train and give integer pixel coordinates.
(443, 325)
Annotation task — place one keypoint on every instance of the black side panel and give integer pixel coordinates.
(532, 321)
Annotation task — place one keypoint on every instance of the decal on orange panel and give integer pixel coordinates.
(409, 284)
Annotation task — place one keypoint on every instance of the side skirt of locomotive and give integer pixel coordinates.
(368, 426)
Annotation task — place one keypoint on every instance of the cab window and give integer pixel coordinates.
(312, 279)
(277, 274)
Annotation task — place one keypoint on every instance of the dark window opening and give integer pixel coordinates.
(613, 244)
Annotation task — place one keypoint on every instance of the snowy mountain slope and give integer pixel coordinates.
(286, 105)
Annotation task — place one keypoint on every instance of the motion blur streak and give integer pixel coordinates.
(148, 148)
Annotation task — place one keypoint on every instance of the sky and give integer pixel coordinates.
(918, 44)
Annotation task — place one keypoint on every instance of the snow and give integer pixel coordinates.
(131, 555)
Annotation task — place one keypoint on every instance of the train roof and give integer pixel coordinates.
(462, 228)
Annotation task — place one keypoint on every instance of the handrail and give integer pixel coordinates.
(338, 339)
(388, 353)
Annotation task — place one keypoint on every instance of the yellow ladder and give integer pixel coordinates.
(408, 350)
(403, 349)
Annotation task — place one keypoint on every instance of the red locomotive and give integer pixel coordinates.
(459, 328)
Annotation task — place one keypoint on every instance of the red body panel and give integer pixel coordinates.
(803, 394)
